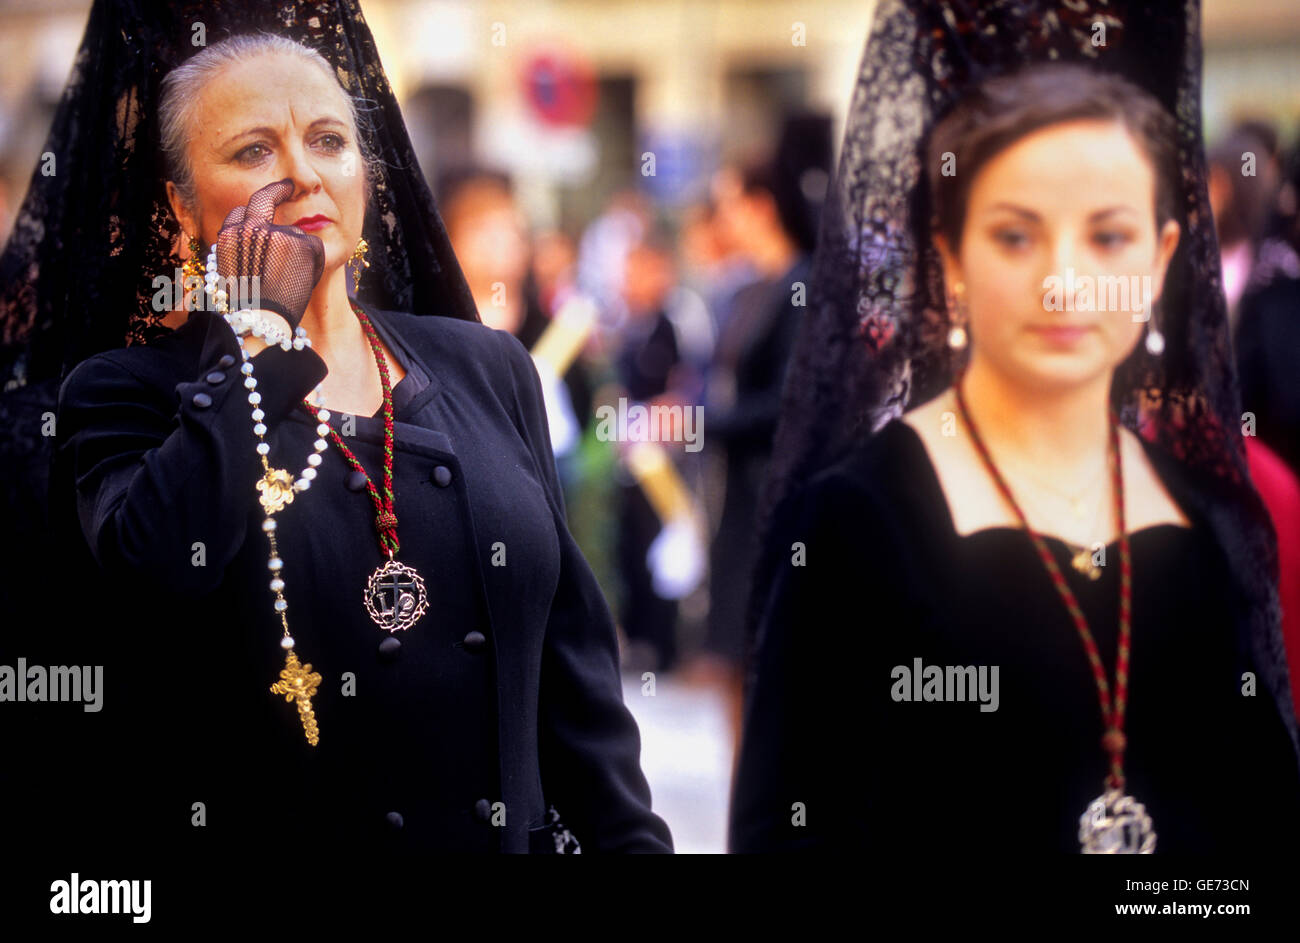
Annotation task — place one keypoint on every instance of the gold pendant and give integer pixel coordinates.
(1082, 561)
(276, 487)
(395, 596)
(299, 683)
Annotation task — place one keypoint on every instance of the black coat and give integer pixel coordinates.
(838, 755)
(160, 444)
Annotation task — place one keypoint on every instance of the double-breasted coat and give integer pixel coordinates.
(503, 699)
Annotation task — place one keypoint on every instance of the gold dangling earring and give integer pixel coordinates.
(358, 262)
(193, 271)
(195, 265)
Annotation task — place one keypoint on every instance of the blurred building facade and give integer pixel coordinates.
(576, 98)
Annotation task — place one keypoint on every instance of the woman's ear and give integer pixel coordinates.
(951, 267)
(1165, 246)
(183, 215)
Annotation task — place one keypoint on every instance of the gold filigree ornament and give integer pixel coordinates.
(358, 263)
(276, 490)
(299, 683)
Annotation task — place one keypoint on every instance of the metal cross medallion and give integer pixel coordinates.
(395, 596)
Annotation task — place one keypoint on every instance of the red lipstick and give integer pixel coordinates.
(312, 223)
(1060, 334)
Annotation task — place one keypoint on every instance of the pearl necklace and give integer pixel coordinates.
(276, 487)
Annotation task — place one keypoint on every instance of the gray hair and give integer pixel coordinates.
(180, 92)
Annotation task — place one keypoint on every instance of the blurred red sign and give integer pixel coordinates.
(560, 88)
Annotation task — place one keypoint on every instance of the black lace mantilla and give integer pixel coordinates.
(76, 276)
(873, 338)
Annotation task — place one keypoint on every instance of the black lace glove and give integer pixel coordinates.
(287, 261)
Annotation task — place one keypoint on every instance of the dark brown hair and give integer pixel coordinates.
(1001, 110)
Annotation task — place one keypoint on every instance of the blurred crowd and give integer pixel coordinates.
(696, 308)
(1254, 192)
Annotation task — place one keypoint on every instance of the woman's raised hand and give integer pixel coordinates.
(286, 261)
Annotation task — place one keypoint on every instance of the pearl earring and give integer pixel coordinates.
(1155, 340)
(957, 333)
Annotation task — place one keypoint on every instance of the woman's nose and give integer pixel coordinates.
(1063, 254)
(301, 171)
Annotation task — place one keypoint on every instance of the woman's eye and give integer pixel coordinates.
(1112, 240)
(1012, 239)
(246, 156)
(332, 142)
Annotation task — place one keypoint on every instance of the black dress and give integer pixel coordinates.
(751, 363)
(644, 366)
(504, 699)
(888, 580)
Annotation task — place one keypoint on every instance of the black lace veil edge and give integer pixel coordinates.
(872, 343)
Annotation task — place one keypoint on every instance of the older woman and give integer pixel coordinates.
(376, 621)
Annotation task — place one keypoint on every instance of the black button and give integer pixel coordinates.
(390, 647)
(216, 378)
(475, 641)
(442, 476)
(227, 360)
(201, 400)
(356, 480)
(483, 809)
(394, 819)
